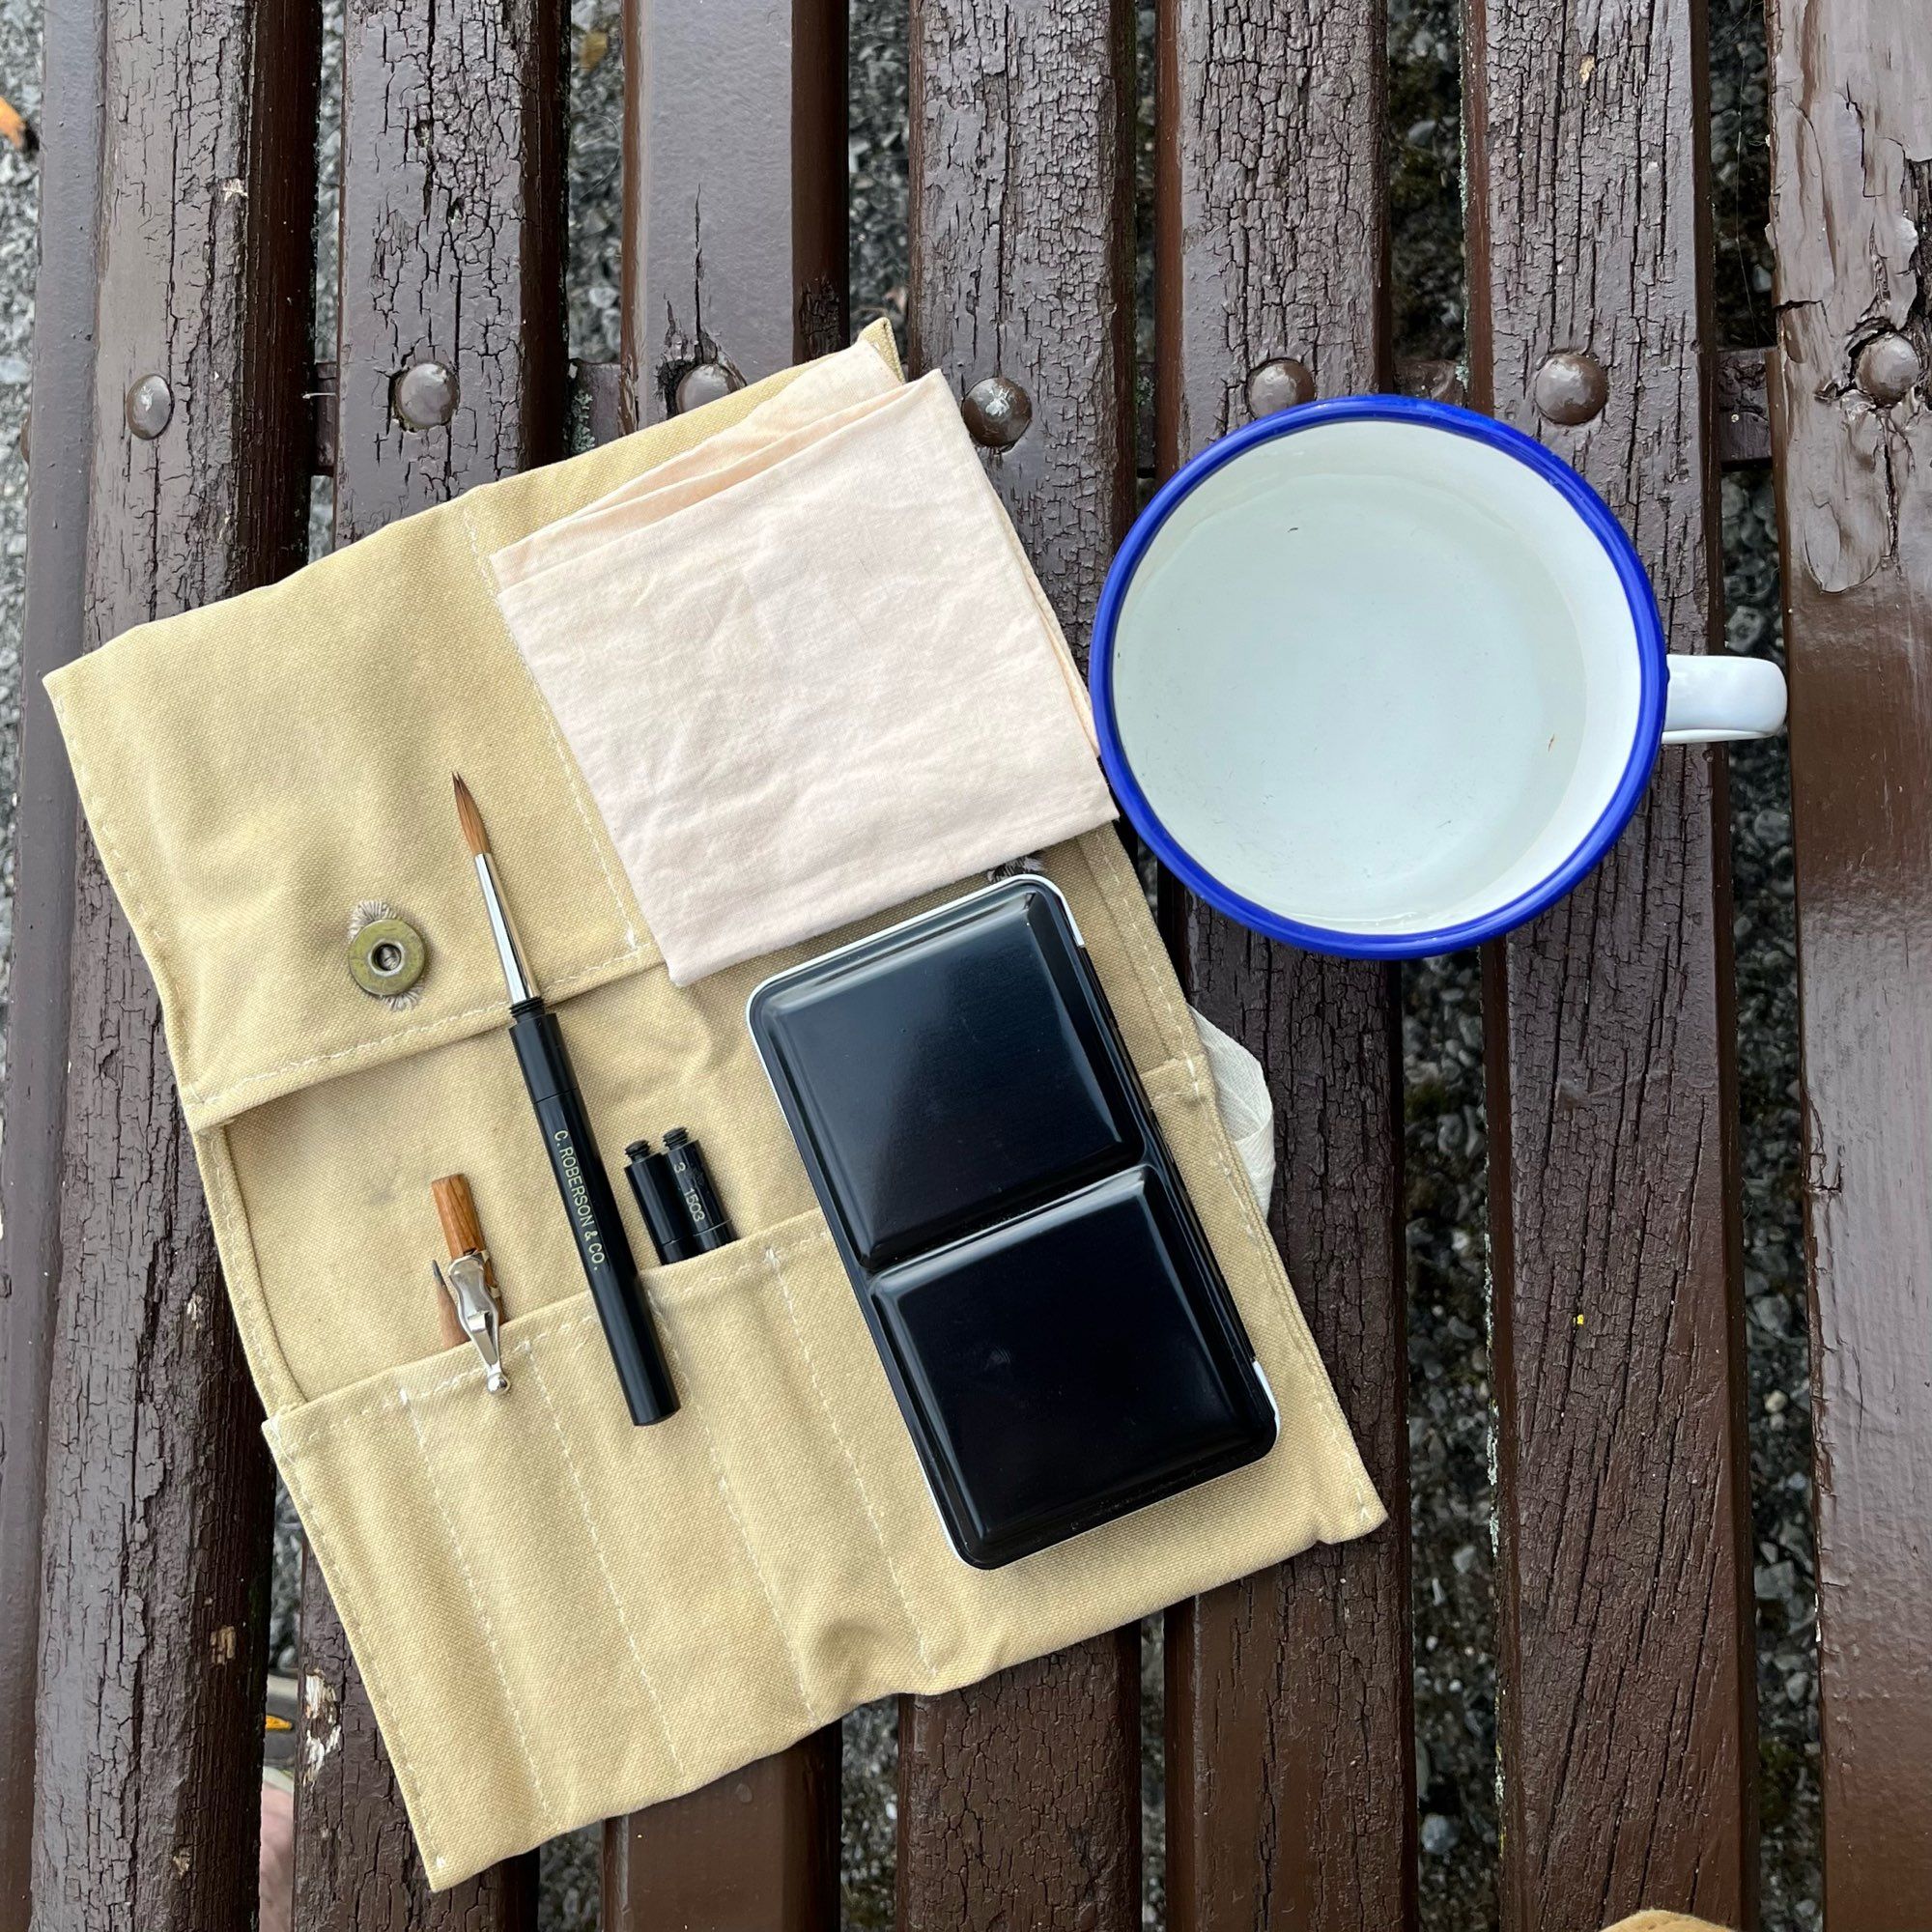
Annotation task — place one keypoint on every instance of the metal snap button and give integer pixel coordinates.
(386, 955)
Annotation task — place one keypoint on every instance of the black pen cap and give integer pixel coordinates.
(659, 1202)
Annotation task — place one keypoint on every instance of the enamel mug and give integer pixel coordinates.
(1383, 677)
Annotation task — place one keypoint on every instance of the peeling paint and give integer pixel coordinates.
(322, 1730)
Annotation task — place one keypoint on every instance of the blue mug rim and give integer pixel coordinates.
(1653, 675)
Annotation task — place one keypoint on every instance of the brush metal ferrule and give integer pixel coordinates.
(503, 932)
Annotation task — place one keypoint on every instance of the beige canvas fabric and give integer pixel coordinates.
(901, 714)
(559, 1617)
(1665, 1922)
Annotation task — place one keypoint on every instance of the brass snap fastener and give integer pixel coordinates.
(386, 955)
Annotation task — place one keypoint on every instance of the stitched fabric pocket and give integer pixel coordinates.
(611, 1615)
(558, 1616)
(606, 1617)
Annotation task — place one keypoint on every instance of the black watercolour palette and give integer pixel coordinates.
(1053, 1324)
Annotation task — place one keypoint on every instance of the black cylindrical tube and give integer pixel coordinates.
(655, 1187)
(709, 1222)
(592, 1208)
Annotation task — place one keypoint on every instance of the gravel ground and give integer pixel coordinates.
(19, 203)
(1445, 1135)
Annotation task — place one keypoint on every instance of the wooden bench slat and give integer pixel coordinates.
(1289, 1709)
(45, 819)
(1021, 225)
(734, 253)
(152, 1632)
(452, 142)
(1848, 110)
(358, 1868)
(756, 1848)
(1019, 1799)
(1291, 1744)
(1626, 1705)
(735, 230)
(451, 250)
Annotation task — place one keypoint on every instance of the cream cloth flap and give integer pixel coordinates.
(805, 670)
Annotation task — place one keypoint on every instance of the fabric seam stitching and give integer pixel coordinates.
(604, 1567)
(342, 1588)
(851, 1462)
(792, 1659)
(483, 1618)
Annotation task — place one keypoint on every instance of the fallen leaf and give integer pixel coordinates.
(14, 129)
(596, 44)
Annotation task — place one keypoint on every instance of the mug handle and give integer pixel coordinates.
(1718, 699)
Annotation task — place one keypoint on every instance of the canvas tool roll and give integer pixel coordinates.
(558, 1616)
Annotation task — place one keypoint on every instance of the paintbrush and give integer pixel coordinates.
(589, 1205)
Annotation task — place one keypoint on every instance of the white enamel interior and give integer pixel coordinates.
(1376, 676)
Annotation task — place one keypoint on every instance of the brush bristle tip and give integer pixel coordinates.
(470, 818)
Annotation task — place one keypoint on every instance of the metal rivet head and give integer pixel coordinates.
(706, 382)
(424, 395)
(386, 956)
(1888, 369)
(998, 412)
(1571, 388)
(1281, 382)
(151, 403)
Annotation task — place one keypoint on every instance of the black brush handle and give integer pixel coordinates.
(590, 1207)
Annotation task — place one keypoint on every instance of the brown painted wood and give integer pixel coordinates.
(757, 1848)
(452, 223)
(1625, 1721)
(1291, 1754)
(1743, 428)
(1290, 1757)
(153, 1608)
(600, 388)
(734, 190)
(1743, 425)
(36, 1021)
(1021, 232)
(1019, 1799)
(357, 1867)
(322, 413)
(1743, 421)
(1851, 209)
(452, 238)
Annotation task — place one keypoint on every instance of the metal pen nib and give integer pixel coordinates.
(468, 1287)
